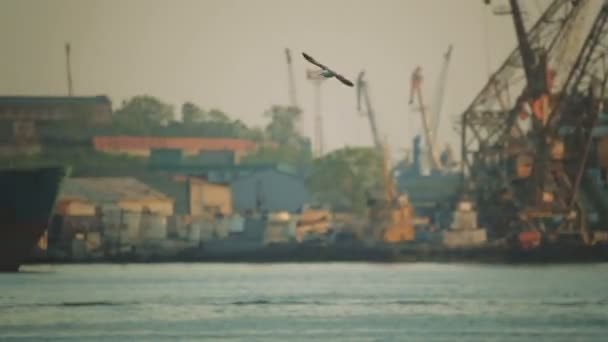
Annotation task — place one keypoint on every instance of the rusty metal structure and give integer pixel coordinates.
(526, 137)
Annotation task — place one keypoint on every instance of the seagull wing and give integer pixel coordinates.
(344, 80)
(313, 61)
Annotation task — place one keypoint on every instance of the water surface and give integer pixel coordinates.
(305, 302)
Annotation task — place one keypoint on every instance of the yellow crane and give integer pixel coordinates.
(392, 217)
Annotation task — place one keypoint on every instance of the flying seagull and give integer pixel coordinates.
(327, 72)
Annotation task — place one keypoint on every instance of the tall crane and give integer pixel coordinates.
(536, 95)
(557, 176)
(68, 64)
(293, 100)
(439, 95)
(363, 94)
(416, 94)
(291, 87)
(490, 119)
(534, 62)
(317, 79)
(493, 139)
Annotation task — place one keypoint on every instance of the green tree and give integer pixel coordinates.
(275, 154)
(256, 134)
(282, 126)
(280, 141)
(216, 115)
(191, 113)
(142, 113)
(343, 177)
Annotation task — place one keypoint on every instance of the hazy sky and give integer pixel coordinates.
(228, 54)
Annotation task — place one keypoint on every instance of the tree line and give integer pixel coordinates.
(341, 178)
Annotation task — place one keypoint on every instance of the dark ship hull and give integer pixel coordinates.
(27, 198)
(559, 253)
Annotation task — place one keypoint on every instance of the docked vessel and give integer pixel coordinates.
(26, 204)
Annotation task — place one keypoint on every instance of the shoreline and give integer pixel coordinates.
(381, 255)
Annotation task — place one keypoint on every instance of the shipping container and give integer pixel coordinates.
(153, 227)
(165, 156)
(131, 222)
(237, 223)
(111, 221)
(529, 239)
(194, 233)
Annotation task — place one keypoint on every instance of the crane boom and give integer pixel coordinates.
(416, 94)
(439, 95)
(291, 80)
(68, 68)
(485, 121)
(549, 162)
(534, 63)
(363, 93)
(567, 49)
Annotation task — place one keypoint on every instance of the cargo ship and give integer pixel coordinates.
(26, 203)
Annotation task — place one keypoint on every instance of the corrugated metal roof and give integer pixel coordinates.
(200, 144)
(108, 189)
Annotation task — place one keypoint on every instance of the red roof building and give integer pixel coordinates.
(142, 146)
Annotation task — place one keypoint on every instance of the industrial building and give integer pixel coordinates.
(143, 146)
(122, 211)
(270, 190)
(25, 120)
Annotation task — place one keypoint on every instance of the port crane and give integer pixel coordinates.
(430, 121)
(440, 92)
(363, 95)
(390, 214)
(490, 120)
(493, 142)
(291, 87)
(416, 94)
(293, 99)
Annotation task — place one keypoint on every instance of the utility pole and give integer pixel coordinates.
(291, 80)
(318, 118)
(317, 79)
(68, 68)
(291, 85)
